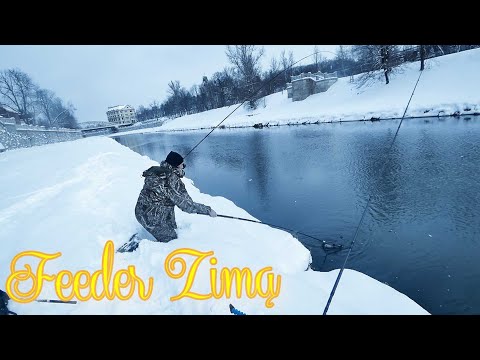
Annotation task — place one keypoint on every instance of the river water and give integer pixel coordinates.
(421, 232)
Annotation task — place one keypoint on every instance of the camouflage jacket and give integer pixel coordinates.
(163, 186)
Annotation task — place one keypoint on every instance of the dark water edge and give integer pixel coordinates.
(303, 123)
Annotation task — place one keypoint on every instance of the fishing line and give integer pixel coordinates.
(267, 83)
(368, 203)
(251, 97)
(325, 245)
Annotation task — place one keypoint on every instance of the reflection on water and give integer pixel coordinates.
(422, 229)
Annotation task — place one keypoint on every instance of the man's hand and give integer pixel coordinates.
(212, 213)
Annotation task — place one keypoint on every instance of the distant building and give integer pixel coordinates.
(306, 84)
(8, 112)
(121, 115)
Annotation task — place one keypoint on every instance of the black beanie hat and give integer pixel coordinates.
(174, 159)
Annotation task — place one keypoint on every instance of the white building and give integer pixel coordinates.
(121, 114)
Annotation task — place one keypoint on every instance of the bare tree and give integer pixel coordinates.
(45, 103)
(69, 120)
(175, 91)
(156, 112)
(274, 66)
(141, 115)
(194, 90)
(317, 58)
(285, 67)
(174, 88)
(377, 59)
(342, 55)
(180, 100)
(246, 60)
(17, 91)
(62, 115)
(287, 64)
(291, 61)
(272, 75)
(422, 57)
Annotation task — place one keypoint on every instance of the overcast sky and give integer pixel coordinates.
(94, 77)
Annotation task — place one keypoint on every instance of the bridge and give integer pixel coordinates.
(100, 128)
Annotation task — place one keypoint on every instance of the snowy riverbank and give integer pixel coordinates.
(447, 86)
(74, 197)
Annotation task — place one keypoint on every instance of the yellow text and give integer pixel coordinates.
(221, 283)
(68, 285)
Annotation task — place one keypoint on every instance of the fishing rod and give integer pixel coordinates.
(368, 202)
(325, 245)
(56, 301)
(5, 298)
(252, 96)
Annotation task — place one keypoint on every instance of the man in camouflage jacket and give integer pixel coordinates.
(162, 190)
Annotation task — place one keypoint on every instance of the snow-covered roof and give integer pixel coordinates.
(303, 78)
(9, 109)
(119, 107)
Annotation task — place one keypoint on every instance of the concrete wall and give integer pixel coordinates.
(306, 84)
(323, 85)
(106, 131)
(303, 88)
(13, 136)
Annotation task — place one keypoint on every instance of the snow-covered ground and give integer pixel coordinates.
(449, 84)
(71, 198)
